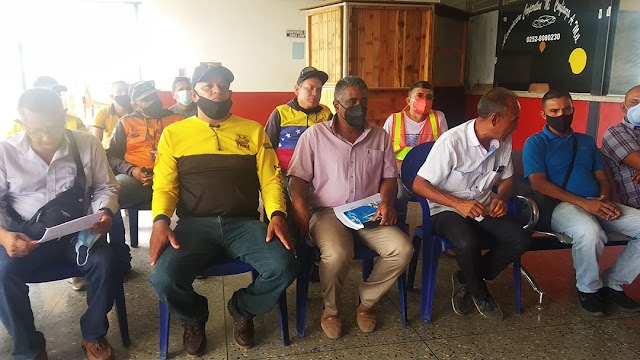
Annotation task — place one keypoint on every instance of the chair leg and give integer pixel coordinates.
(302, 290)
(367, 268)
(540, 306)
(516, 285)
(283, 316)
(432, 249)
(402, 290)
(163, 329)
(121, 312)
(411, 275)
(133, 227)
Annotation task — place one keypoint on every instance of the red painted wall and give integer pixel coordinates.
(249, 105)
(610, 114)
(530, 120)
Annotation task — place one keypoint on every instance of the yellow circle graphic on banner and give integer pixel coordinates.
(578, 60)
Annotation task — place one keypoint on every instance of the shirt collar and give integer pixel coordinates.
(550, 135)
(473, 138)
(112, 110)
(332, 127)
(628, 124)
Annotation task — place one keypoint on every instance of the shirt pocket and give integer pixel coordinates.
(370, 165)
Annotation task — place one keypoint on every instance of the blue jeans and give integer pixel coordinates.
(132, 192)
(15, 308)
(589, 237)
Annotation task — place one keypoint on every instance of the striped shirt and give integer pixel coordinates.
(618, 142)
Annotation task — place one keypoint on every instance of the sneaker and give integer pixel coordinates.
(619, 298)
(459, 296)
(42, 356)
(331, 325)
(78, 284)
(591, 303)
(366, 318)
(194, 339)
(99, 351)
(488, 307)
(243, 331)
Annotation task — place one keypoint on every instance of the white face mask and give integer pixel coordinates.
(633, 115)
(184, 98)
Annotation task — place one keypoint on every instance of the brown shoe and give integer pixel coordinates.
(99, 351)
(243, 332)
(366, 318)
(42, 356)
(331, 325)
(194, 339)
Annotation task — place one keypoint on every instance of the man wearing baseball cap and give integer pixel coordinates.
(211, 167)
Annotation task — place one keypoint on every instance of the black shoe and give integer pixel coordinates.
(591, 303)
(487, 307)
(243, 332)
(459, 296)
(619, 298)
(194, 339)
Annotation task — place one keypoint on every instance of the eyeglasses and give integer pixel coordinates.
(42, 132)
(428, 97)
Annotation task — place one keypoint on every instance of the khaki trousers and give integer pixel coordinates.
(336, 248)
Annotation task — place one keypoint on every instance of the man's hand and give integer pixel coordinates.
(278, 227)
(161, 236)
(388, 213)
(103, 226)
(145, 179)
(301, 218)
(636, 177)
(497, 208)
(17, 245)
(471, 208)
(601, 208)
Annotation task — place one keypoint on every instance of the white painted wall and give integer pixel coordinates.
(481, 48)
(247, 36)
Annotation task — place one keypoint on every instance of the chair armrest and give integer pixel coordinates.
(535, 211)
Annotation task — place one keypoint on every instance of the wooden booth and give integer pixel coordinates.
(390, 45)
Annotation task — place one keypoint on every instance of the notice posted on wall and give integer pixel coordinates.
(354, 215)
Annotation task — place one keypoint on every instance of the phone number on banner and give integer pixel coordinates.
(547, 37)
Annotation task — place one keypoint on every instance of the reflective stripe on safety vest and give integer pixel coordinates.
(399, 142)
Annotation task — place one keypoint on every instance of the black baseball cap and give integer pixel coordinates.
(47, 82)
(311, 72)
(142, 89)
(205, 69)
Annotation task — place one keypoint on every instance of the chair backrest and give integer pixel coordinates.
(408, 172)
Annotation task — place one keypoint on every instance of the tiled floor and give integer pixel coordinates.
(561, 331)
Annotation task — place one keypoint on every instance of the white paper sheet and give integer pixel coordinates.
(70, 227)
(341, 210)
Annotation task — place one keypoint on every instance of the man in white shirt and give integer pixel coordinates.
(457, 178)
(49, 175)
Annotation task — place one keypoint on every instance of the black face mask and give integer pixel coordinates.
(154, 111)
(215, 110)
(355, 116)
(560, 123)
(123, 100)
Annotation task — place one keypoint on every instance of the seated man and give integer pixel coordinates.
(47, 82)
(211, 167)
(335, 163)
(621, 149)
(180, 92)
(289, 121)
(457, 178)
(567, 166)
(47, 174)
(107, 118)
(132, 148)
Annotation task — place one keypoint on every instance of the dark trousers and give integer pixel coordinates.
(466, 234)
(204, 239)
(15, 308)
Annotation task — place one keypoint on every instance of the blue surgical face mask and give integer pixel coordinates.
(184, 98)
(633, 115)
(86, 238)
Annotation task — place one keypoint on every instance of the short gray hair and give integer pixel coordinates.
(496, 101)
(349, 81)
(40, 100)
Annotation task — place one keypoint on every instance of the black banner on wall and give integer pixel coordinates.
(548, 41)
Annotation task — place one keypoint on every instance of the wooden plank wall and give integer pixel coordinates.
(324, 44)
(390, 46)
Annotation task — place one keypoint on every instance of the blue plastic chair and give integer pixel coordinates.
(68, 271)
(223, 267)
(307, 255)
(433, 246)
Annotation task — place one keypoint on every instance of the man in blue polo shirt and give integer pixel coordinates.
(585, 210)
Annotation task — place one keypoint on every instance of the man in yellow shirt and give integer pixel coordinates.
(107, 118)
(211, 167)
